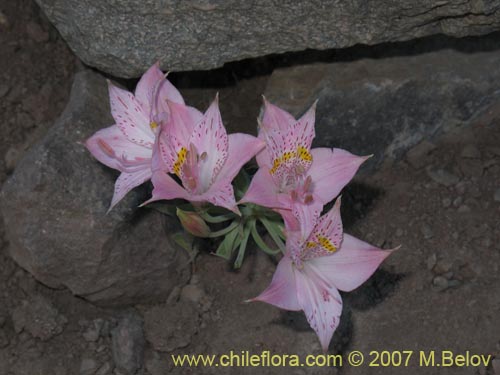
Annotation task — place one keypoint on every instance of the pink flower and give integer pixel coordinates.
(290, 171)
(320, 260)
(128, 145)
(202, 156)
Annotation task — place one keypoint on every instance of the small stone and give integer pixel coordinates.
(399, 232)
(39, 317)
(128, 344)
(486, 242)
(446, 202)
(440, 283)
(417, 155)
(431, 261)
(4, 21)
(88, 366)
(174, 295)
(105, 369)
(457, 201)
(461, 188)
(495, 364)
(442, 267)
(2, 321)
(11, 158)
(192, 293)
(454, 283)
(471, 167)
(463, 209)
(4, 341)
(4, 89)
(93, 332)
(427, 232)
(442, 176)
(35, 32)
(470, 152)
(496, 196)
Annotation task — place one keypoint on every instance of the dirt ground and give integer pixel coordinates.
(440, 291)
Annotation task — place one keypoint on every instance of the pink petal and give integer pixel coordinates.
(128, 181)
(113, 149)
(146, 86)
(241, 148)
(276, 118)
(219, 194)
(326, 235)
(331, 170)
(321, 303)
(303, 131)
(130, 117)
(211, 141)
(263, 158)
(262, 191)
(182, 121)
(307, 216)
(351, 265)
(282, 291)
(165, 187)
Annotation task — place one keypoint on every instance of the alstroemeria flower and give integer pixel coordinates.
(320, 260)
(290, 172)
(128, 145)
(202, 156)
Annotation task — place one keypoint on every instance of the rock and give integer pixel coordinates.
(128, 344)
(171, 327)
(446, 202)
(470, 151)
(385, 106)
(440, 283)
(496, 196)
(4, 340)
(4, 89)
(39, 317)
(4, 22)
(35, 32)
(2, 321)
(94, 330)
(204, 34)
(495, 364)
(431, 261)
(442, 176)
(88, 366)
(55, 204)
(11, 157)
(471, 167)
(105, 369)
(427, 231)
(463, 209)
(416, 156)
(192, 293)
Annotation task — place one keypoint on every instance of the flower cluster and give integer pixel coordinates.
(188, 155)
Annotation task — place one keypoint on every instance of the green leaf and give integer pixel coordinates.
(243, 245)
(226, 246)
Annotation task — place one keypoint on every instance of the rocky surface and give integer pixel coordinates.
(55, 205)
(386, 105)
(123, 38)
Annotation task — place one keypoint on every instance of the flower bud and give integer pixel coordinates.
(193, 223)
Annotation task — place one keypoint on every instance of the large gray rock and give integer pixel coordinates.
(54, 207)
(385, 106)
(124, 37)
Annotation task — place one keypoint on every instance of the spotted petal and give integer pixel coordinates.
(320, 301)
(352, 265)
(128, 181)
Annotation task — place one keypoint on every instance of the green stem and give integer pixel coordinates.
(215, 219)
(243, 245)
(260, 242)
(224, 231)
(274, 233)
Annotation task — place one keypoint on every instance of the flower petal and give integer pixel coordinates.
(219, 194)
(320, 301)
(276, 118)
(331, 170)
(130, 117)
(303, 131)
(211, 141)
(126, 182)
(146, 86)
(165, 187)
(241, 148)
(182, 121)
(262, 191)
(282, 291)
(112, 148)
(352, 265)
(326, 236)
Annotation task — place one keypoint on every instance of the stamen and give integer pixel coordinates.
(107, 149)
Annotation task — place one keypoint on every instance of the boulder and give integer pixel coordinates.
(384, 106)
(54, 207)
(124, 37)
